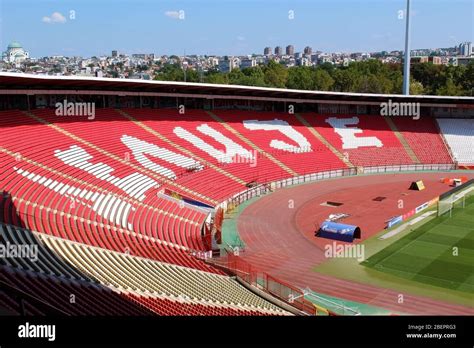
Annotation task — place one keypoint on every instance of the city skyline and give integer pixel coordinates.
(271, 53)
(73, 28)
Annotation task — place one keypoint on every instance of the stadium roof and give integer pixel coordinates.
(17, 83)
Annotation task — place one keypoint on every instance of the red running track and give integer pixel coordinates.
(278, 231)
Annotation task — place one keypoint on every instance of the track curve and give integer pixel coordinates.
(278, 232)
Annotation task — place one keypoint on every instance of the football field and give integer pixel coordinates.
(439, 253)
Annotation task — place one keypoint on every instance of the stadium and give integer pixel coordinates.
(131, 197)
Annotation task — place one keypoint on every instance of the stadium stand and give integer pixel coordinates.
(118, 207)
(52, 220)
(424, 139)
(459, 134)
(364, 140)
(288, 143)
(74, 267)
(196, 134)
(59, 177)
(163, 306)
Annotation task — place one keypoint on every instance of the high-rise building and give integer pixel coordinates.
(465, 49)
(308, 50)
(227, 64)
(143, 55)
(278, 51)
(303, 62)
(267, 51)
(248, 63)
(290, 50)
(114, 53)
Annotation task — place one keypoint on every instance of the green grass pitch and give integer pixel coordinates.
(439, 253)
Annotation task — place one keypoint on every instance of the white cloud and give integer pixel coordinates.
(240, 38)
(173, 14)
(55, 17)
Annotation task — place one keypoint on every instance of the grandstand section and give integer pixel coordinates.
(133, 277)
(421, 133)
(459, 134)
(126, 206)
(287, 142)
(363, 140)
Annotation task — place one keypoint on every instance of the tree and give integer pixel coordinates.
(192, 75)
(468, 80)
(217, 77)
(397, 82)
(374, 84)
(416, 87)
(235, 76)
(299, 78)
(449, 89)
(344, 80)
(370, 76)
(170, 72)
(322, 81)
(429, 75)
(252, 77)
(275, 75)
(328, 67)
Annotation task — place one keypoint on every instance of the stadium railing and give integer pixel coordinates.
(265, 188)
(247, 273)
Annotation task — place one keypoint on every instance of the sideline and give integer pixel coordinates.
(403, 227)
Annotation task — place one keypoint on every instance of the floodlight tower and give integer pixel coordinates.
(406, 67)
(184, 68)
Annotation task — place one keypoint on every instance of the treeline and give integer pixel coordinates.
(370, 76)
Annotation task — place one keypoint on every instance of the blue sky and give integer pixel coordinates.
(228, 26)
